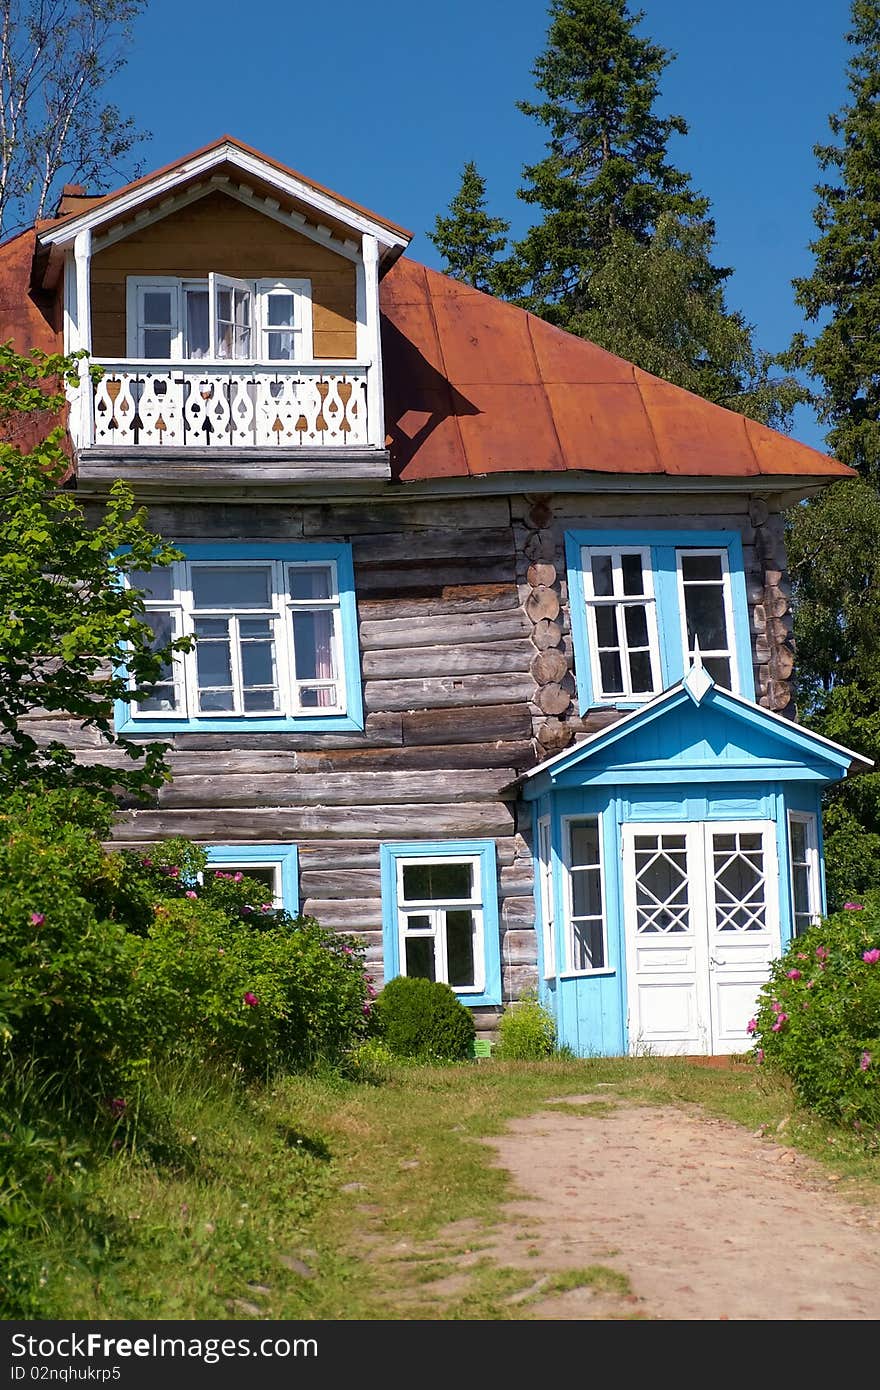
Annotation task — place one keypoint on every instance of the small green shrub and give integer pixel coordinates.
(424, 1019)
(526, 1031)
(818, 1018)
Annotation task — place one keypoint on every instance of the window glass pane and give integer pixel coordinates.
(213, 663)
(603, 576)
(255, 627)
(313, 645)
(212, 627)
(460, 949)
(157, 307)
(258, 700)
(801, 880)
(609, 667)
(198, 337)
(704, 608)
(606, 625)
(719, 669)
(640, 673)
(631, 566)
(584, 842)
(279, 347)
(437, 882)
(309, 581)
(162, 697)
(216, 701)
(798, 840)
(154, 583)
(636, 625)
(420, 957)
(701, 567)
(258, 663)
(324, 697)
(280, 310)
(586, 893)
(263, 873)
(588, 952)
(157, 344)
(226, 587)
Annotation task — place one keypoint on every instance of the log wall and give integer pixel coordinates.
(467, 666)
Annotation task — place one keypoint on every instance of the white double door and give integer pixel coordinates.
(701, 906)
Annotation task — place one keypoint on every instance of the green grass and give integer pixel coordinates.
(322, 1197)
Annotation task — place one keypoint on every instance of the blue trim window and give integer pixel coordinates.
(641, 603)
(440, 915)
(586, 946)
(275, 865)
(274, 632)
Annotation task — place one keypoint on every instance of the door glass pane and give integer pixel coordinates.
(437, 882)
(739, 882)
(225, 587)
(661, 884)
(460, 948)
(198, 336)
(420, 957)
(157, 344)
(157, 307)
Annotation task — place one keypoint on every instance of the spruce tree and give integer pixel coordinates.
(469, 240)
(844, 355)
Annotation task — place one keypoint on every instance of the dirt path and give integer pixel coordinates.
(705, 1219)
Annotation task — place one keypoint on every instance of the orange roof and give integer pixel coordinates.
(476, 386)
(147, 179)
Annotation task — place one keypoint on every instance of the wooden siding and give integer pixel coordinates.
(463, 630)
(219, 233)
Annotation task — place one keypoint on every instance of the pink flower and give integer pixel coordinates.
(246, 908)
(37, 919)
(822, 953)
(236, 878)
(147, 863)
(220, 951)
(250, 999)
(811, 984)
(776, 1006)
(853, 907)
(190, 894)
(117, 1106)
(752, 1025)
(367, 1006)
(265, 907)
(801, 956)
(865, 1061)
(794, 974)
(173, 872)
(871, 957)
(371, 991)
(760, 1054)
(781, 1020)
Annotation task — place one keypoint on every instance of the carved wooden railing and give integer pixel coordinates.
(194, 404)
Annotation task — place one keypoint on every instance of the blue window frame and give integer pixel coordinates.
(276, 865)
(275, 641)
(641, 601)
(440, 915)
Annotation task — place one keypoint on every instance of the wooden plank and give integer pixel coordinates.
(441, 692)
(469, 658)
(182, 468)
(325, 857)
(342, 883)
(387, 548)
(467, 724)
(351, 915)
(443, 629)
(335, 789)
(385, 581)
(518, 754)
(188, 521)
(457, 599)
(259, 825)
(382, 730)
(363, 517)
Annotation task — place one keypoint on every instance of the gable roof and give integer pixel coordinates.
(705, 714)
(476, 386)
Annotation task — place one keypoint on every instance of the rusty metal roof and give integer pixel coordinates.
(474, 386)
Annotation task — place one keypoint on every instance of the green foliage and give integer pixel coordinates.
(423, 1018)
(526, 1032)
(68, 623)
(469, 240)
(819, 1016)
(843, 291)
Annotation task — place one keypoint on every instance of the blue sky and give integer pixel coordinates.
(386, 105)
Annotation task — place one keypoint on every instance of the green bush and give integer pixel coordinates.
(526, 1031)
(818, 1018)
(424, 1019)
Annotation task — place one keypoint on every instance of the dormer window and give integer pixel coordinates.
(219, 319)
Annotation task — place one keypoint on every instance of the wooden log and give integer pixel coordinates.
(342, 883)
(333, 789)
(324, 857)
(553, 736)
(547, 634)
(260, 825)
(419, 581)
(516, 979)
(441, 692)
(518, 913)
(516, 880)
(395, 547)
(519, 754)
(221, 520)
(553, 698)
(541, 574)
(467, 724)
(345, 915)
(549, 666)
(541, 603)
(381, 730)
(443, 629)
(477, 658)
(519, 948)
(455, 600)
(540, 546)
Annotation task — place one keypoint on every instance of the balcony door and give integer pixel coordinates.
(701, 912)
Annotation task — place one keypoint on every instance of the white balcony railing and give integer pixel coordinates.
(199, 405)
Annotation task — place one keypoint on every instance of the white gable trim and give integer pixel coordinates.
(131, 199)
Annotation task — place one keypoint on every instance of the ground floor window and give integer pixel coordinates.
(806, 894)
(586, 948)
(276, 866)
(440, 915)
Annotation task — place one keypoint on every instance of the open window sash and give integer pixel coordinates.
(231, 309)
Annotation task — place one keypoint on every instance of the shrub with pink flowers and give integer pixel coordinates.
(819, 1016)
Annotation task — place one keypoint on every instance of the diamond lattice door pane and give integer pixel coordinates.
(740, 883)
(662, 900)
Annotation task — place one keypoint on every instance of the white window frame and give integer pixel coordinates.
(618, 601)
(729, 654)
(568, 895)
(810, 822)
(245, 867)
(436, 909)
(282, 610)
(261, 290)
(547, 897)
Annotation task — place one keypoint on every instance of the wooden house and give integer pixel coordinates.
(492, 628)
